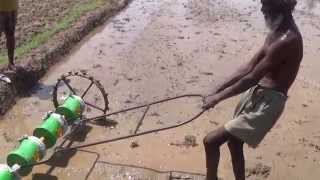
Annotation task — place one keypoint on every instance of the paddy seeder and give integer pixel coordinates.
(67, 118)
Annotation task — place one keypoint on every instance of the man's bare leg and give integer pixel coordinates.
(238, 163)
(10, 47)
(1, 24)
(212, 143)
(11, 41)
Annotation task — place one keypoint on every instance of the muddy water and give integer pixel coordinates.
(152, 50)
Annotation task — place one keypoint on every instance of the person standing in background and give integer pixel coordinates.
(8, 20)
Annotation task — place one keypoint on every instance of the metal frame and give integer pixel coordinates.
(82, 122)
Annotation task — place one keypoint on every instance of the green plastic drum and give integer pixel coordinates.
(5, 173)
(71, 108)
(53, 127)
(31, 150)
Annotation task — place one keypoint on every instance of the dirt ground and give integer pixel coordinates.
(157, 49)
(43, 15)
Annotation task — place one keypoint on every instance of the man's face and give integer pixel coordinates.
(272, 17)
(267, 9)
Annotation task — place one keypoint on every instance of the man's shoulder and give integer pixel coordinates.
(291, 37)
(289, 40)
(287, 46)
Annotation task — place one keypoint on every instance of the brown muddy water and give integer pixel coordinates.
(158, 49)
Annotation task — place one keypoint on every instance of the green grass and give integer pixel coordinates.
(41, 38)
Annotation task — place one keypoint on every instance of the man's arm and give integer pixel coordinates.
(274, 56)
(241, 72)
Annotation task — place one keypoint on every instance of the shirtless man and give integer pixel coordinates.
(8, 19)
(265, 81)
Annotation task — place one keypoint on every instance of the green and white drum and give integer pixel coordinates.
(6, 173)
(53, 127)
(72, 108)
(31, 150)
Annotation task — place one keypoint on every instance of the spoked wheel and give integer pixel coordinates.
(84, 86)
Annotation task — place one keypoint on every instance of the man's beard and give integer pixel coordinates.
(273, 23)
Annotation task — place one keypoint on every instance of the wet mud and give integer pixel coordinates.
(158, 49)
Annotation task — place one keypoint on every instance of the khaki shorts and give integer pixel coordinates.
(256, 113)
(8, 22)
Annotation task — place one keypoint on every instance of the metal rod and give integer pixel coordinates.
(141, 119)
(93, 164)
(68, 85)
(145, 105)
(130, 136)
(147, 168)
(85, 92)
(96, 107)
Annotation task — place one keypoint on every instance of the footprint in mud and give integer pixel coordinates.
(306, 143)
(259, 170)
(207, 73)
(7, 137)
(119, 43)
(88, 109)
(115, 82)
(189, 141)
(95, 66)
(300, 122)
(97, 98)
(187, 176)
(192, 81)
(84, 71)
(155, 114)
(126, 19)
(134, 144)
(35, 102)
(214, 122)
(101, 53)
(315, 147)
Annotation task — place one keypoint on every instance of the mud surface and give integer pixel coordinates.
(35, 16)
(157, 49)
(35, 64)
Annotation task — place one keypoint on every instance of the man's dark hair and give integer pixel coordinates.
(284, 6)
